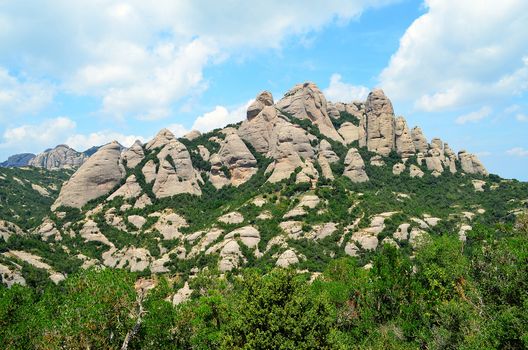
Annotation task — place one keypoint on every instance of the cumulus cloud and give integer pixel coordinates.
(220, 117)
(339, 91)
(459, 53)
(18, 96)
(82, 142)
(517, 152)
(178, 129)
(140, 59)
(475, 116)
(37, 136)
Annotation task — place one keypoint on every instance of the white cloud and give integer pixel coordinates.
(17, 97)
(521, 117)
(178, 130)
(475, 116)
(39, 136)
(517, 152)
(82, 142)
(339, 91)
(220, 117)
(140, 59)
(459, 53)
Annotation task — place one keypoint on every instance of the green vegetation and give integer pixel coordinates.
(22, 204)
(449, 296)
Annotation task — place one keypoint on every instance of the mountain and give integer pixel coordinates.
(373, 220)
(17, 160)
(60, 157)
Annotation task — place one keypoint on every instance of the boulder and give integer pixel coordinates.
(414, 171)
(355, 167)
(95, 178)
(398, 168)
(217, 176)
(287, 258)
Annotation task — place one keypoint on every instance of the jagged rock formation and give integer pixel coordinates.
(262, 100)
(306, 101)
(18, 160)
(236, 157)
(471, 164)
(403, 139)
(95, 178)
(134, 155)
(192, 135)
(176, 173)
(60, 157)
(380, 123)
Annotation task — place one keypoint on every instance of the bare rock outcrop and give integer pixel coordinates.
(134, 155)
(306, 101)
(130, 189)
(380, 123)
(192, 135)
(349, 132)
(471, 164)
(60, 157)
(355, 166)
(238, 159)
(8, 228)
(95, 178)
(176, 173)
(163, 137)
(404, 143)
(265, 98)
(419, 140)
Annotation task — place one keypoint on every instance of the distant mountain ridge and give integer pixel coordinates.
(18, 160)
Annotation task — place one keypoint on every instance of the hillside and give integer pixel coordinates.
(301, 183)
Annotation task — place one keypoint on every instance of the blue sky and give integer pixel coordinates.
(90, 71)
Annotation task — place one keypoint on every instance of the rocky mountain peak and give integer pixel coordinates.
(60, 157)
(95, 178)
(163, 137)
(306, 101)
(265, 98)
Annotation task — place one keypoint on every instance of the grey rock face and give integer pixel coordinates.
(60, 157)
(95, 178)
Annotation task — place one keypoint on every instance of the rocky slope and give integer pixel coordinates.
(301, 181)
